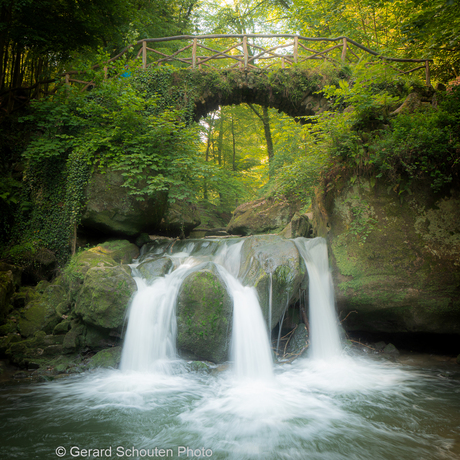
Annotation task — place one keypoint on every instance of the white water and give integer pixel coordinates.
(324, 331)
(151, 333)
(334, 408)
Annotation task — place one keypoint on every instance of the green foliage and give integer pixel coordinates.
(362, 219)
(422, 145)
(367, 92)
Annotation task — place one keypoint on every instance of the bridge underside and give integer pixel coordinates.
(295, 92)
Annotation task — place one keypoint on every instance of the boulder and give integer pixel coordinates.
(300, 226)
(111, 210)
(104, 296)
(108, 358)
(121, 251)
(266, 256)
(266, 215)
(204, 315)
(75, 271)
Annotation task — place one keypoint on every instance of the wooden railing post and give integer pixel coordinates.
(344, 50)
(245, 52)
(427, 73)
(105, 72)
(194, 53)
(67, 83)
(144, 54)
(296, 49)
(283, 63)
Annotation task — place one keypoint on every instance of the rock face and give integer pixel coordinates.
(111, 210)
(180, 219)
(261, 216)
(263, 255)
(395, 264)
(204, 315)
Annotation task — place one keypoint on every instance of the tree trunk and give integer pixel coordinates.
(265, 118)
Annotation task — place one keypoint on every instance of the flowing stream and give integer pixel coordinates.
(330, 405)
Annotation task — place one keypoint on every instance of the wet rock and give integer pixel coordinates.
(263, 255)
(200, 367)
(104, 296)
(390, 349)
(154, 268)
(265, 215)
(108, 358)
(204, 315)
(379, 346)
(299, 226)
(298, 343)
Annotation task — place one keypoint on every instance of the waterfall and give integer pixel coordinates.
(150, 341)
(324, 330)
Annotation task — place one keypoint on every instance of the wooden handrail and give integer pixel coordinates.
(244, 58)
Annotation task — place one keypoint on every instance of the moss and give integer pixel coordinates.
(405, 261)
(107, 358)
(203, 312)
(104, 297)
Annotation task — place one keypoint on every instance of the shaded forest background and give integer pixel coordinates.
(235, 154)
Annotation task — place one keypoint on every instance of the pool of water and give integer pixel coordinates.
(345, 408)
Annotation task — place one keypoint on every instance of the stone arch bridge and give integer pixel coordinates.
(283, 71)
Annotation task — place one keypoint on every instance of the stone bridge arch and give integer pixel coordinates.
(296, 92)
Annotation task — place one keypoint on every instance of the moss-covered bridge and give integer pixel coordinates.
(282, 71)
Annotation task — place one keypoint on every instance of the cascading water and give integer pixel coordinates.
(349, 408)
(324, 331)
(151, 333)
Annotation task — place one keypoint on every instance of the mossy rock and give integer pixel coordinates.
(154, 268)
(40, 346)
(98, 339)
(40, 314)
(75, 271)
(265, 215)
(62, 328)
(74, 339)
(204, 315)
(104, 296)
(395, 263)
(121, 251)
(112, 210)
(108, 358)
(265, 254)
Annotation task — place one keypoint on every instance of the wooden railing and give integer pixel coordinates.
(197, 52)
(236, 51)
